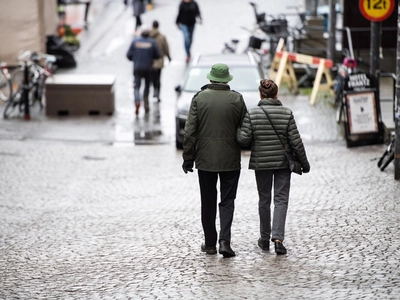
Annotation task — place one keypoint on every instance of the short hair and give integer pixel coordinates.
(155, 24)
(268, 88)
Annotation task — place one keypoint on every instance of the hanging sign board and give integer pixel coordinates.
(363, 125)
(376, 10)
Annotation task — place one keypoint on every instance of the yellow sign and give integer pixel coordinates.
(376, 10)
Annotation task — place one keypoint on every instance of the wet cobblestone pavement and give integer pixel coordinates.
(86, 216)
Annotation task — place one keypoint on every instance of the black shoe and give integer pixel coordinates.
(225, 249)
(279, 248)
(208, 249)
(263, 244)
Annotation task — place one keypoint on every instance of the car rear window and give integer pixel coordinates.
(244, 79)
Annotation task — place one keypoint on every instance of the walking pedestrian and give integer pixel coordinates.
(188, 13)
(215, 114)
(142, 51)
(266, 128)
(158, 64)
(139, 8)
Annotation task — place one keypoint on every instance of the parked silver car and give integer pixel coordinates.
(246, 73)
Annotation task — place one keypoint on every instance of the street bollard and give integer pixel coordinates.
(26, 93)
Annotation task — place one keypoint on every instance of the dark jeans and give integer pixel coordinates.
(157, 82)
(208, 191)
(281, 180)
(138, 76)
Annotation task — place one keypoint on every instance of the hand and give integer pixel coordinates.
(187, 166)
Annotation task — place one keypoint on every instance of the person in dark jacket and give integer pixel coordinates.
(142, 52)
(186, 20)
(216, 113)
(269, 161)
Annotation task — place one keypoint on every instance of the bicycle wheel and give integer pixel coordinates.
(5, 87)
(382, 158)
(339, 112)
(13, 107)
(17, 79)
(387, 160)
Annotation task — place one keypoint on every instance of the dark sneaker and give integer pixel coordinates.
(208, 249)
(263, 244)
(279, 248)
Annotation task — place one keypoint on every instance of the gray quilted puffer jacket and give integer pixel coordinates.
(267, 152)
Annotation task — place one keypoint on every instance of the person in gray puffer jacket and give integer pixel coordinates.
(269, 161)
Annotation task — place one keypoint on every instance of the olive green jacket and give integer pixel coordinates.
(267, 152)
(215, 114)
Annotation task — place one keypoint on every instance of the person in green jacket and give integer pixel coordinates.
(216, 113)
(269, 161)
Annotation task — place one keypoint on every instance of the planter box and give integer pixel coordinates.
(80, 94)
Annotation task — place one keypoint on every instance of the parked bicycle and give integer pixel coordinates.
(348, 67)
(254, 45)
(6, 88)
(29, 83)
(274, 28)
(388, 156)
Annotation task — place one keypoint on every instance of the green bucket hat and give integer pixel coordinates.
(219, 73)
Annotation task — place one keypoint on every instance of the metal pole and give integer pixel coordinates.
(314, 8)
(397, 108)
(26, 92)
(375, 46)
(332, 31)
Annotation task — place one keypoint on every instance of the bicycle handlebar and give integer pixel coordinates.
(27, 56)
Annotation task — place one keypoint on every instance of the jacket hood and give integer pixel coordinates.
(153, 33)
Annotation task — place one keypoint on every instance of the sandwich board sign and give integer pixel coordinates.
(363, 121)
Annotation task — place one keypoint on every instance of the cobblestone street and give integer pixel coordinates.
(89, 220)
(87, 214)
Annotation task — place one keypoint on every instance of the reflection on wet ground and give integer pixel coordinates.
(148, 129)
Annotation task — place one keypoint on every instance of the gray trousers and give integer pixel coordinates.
(281, 180)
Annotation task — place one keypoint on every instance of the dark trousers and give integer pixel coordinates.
(157, 82)
(138, 22)
(208, 191)
(138, 76)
